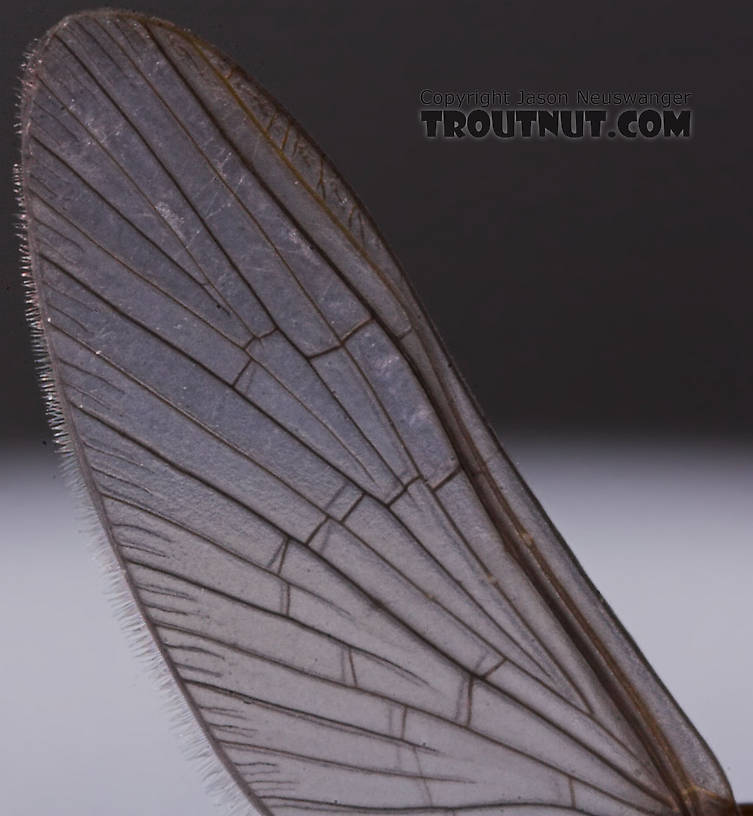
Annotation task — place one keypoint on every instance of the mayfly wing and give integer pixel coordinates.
(361, 602)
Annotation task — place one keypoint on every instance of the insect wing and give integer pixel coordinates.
(362, 603)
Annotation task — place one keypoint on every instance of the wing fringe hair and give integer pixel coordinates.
(219, 780)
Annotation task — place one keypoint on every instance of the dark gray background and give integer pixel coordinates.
(578, 285)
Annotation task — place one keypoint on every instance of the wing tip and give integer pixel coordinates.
(36, 49)
(33, 58)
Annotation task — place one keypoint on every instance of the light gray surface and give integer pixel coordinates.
(85, 730)
(663, 527)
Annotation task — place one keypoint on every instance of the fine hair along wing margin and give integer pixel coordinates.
(364, 606)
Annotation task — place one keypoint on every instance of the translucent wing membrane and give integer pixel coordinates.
(358, 597)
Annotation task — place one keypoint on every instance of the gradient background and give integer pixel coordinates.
(597, 296)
